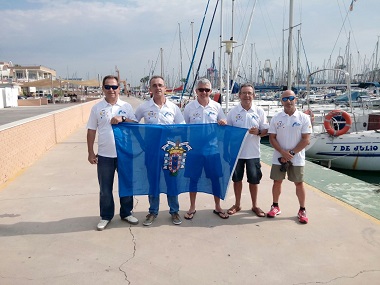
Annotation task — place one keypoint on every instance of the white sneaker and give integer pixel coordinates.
(131, 219)
(102, 224)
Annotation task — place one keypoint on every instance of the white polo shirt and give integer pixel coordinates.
(254, 117)
(195, 113)
(152, 114)
(100, 120)
(289, 130)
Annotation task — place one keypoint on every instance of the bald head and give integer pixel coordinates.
(288, 93)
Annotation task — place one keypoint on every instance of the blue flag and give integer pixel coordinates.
(174, 159)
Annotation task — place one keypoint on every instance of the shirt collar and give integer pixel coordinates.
(118, 102)
(241, 109)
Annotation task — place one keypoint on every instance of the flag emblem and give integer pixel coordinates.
(175, 156)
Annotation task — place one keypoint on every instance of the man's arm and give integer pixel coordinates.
(305, 140)
(276, 145)
(92, 158)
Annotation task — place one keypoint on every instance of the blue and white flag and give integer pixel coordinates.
(174, 159)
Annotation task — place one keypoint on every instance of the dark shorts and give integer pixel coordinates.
(253, 167)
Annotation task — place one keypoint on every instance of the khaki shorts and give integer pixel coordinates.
(295, 173)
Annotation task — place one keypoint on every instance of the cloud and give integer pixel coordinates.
(91, 37)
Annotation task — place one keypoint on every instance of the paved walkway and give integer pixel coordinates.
(48, 217)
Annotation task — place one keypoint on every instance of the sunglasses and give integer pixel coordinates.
(108, 87)
(204, 89)
(290, 98)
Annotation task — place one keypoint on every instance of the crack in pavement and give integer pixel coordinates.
(340, 277)
(134, 249)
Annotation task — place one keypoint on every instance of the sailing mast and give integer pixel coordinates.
(289, 82)
(180, 49)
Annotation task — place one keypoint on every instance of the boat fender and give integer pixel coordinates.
(329, 124)
(311, 114)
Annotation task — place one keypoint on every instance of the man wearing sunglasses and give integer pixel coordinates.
(110, 110)
(289, 134)
(159, 110)
(205, 111)
(247, 115)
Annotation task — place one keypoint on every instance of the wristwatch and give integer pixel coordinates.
(292, 152)
(123, 118)
(259, 133)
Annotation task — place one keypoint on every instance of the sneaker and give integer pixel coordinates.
(131, 219)
(274, 211)
(149, 219)
(176, 219)
(102, 224)
(302, 217)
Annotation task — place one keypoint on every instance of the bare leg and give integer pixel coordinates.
(301, 194)
(253, 188)
(276, 190)
(218, 208)
(238, 187)
(193, 196)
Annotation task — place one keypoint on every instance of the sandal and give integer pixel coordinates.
(260, 213)
(222, 215)
(233, 210)
(190, 215)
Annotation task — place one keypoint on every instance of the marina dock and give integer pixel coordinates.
(49, 213)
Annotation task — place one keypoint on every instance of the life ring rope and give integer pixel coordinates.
(328, 122)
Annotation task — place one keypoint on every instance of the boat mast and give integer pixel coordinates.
(289, 82)
(162, 61)
(221, 49)
(180, 51)
(192, 45)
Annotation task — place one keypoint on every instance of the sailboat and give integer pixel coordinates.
(347, 139)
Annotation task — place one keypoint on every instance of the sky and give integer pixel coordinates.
(91, 38)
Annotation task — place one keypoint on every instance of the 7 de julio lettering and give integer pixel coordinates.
(356, 148)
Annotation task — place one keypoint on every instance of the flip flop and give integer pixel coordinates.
(222, 215)
(260, 213)
(233, 210)
(190, 215)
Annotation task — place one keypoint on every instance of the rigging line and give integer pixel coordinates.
(204, 47)
(171, 49)
(304, 51)
(195, 49)
(244, 43)
(155, 64)
(244, 15)
(185, 44)
(352, 31)
(344, 21)
(266, 28)
(272, 30)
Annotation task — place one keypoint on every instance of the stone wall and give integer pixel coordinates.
(23, 144)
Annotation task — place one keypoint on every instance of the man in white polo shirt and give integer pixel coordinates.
(203, 110)
(110, 110)
(159, 110)
(289, 134)
(246, 115)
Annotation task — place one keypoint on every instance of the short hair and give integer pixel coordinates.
(110, 77)
(155, 77)
(247, 85)
(203, 81)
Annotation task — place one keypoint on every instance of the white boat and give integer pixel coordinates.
(355, 151)
(347, 139)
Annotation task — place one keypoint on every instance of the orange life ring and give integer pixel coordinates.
(329, 124)
(310, 113)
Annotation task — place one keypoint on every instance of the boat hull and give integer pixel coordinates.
(354, 151)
